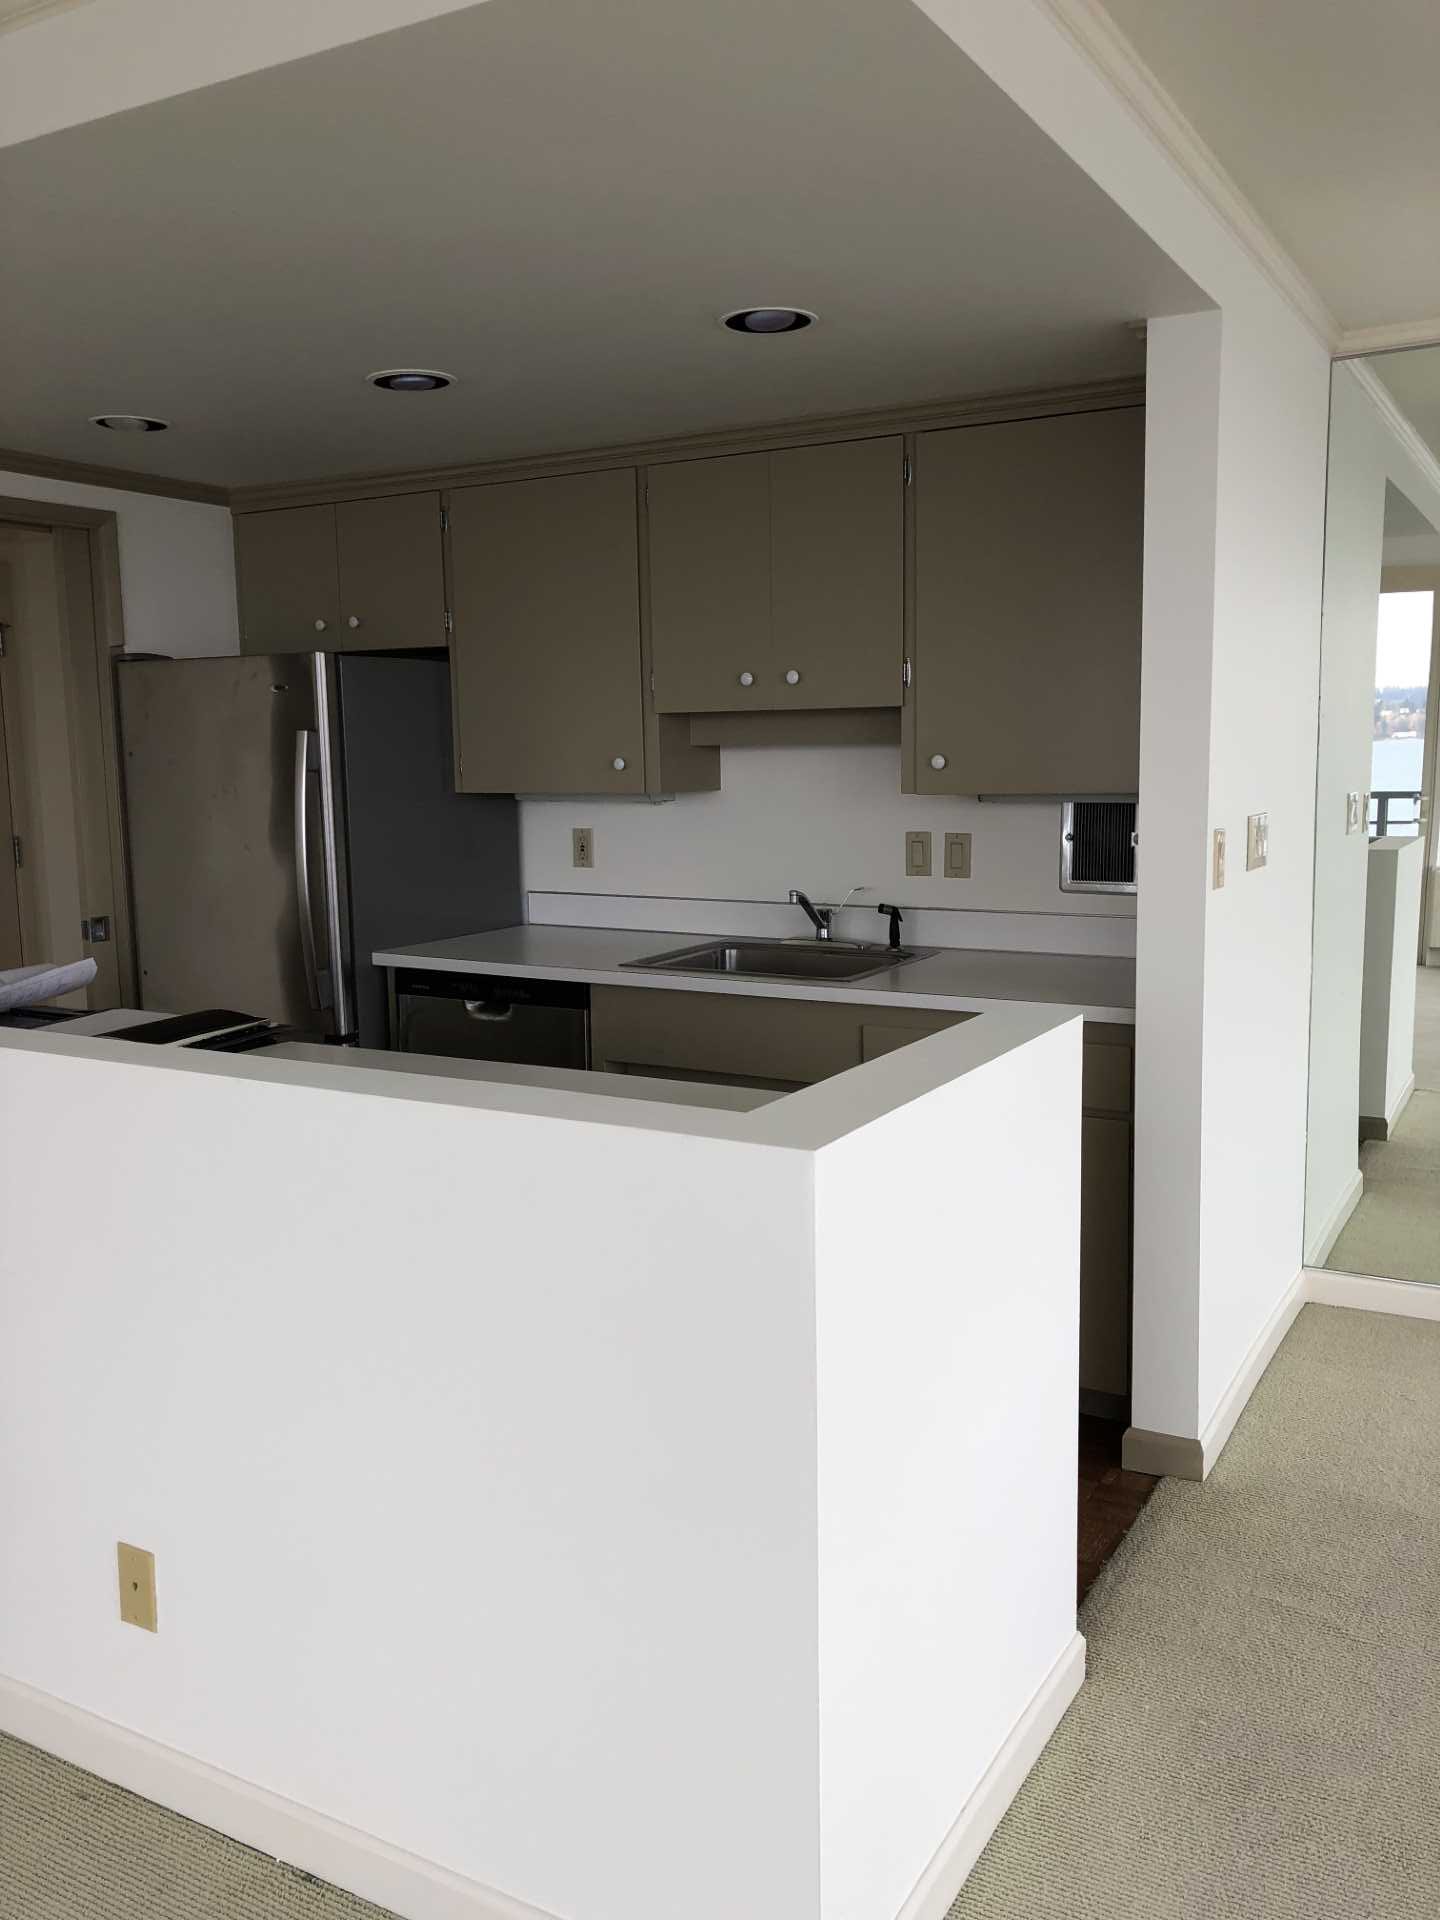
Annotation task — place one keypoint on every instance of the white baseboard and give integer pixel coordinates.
(1374, 1128)
(347, 1858)
(1319, 1253)
(934, 1892)
(1185, 1458)
(1413, 1299)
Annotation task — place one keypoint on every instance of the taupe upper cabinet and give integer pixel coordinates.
(777, 579)
(545, 655)
(1028, 554)
(360, 574)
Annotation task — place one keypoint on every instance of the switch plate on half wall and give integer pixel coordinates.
(1217, 859)
(1257, 841)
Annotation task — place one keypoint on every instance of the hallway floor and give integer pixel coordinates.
(1257, 1736)
(1394, 1232)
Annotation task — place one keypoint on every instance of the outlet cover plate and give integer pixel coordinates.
(582, 847)
(917, 855)
(957, 856)
(136, 1568)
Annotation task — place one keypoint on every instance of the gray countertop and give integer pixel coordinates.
(954, 979)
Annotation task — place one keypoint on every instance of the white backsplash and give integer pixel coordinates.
(824, 819)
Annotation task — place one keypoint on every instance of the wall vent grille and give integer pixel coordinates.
(1097, 846)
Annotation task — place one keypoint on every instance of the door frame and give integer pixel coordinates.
(101, 531)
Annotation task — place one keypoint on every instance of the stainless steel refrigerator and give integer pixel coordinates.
(290, 813)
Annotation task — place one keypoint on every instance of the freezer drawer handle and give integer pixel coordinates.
(304, 741)
(489, 1010)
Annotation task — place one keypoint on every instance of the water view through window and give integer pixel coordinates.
(1402, 679)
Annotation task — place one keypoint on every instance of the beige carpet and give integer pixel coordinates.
(1395, 1230)
(75, 1848)
(1259, 1738)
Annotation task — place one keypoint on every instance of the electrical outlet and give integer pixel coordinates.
(957, 856)
(1257, 841)
(1217, 858)
(582, 847)
(917, 856)
(137, 1586)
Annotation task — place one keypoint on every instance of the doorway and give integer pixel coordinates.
(63, 894)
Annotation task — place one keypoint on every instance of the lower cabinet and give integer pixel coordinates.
(748, 1040)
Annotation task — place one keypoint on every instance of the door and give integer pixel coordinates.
(210, 780)
(545, 656)
(837, 525)
(1028, 554)
(392, 572)
(709, 537)
(288, 577)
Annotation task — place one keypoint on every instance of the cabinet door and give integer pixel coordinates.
(1105, 1289)
(837, 520)
(288, 580)
(709, 538)
(545, 656)
(742, 1039)
(392, 572)
(1028, 549)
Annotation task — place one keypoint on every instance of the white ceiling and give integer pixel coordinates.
(1325, 114)
(553, 199)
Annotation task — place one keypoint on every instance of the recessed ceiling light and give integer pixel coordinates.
(410, 380)
(128, 423)
(768, 319)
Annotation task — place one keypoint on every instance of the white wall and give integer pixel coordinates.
(824, 819)
(1365, 457)
(929, 1461)
(177, 560)
(1223, 979)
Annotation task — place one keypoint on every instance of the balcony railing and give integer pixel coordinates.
(1394, 811)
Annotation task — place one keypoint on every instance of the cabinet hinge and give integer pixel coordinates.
(905, 674)
(909, 470)
(652, 683)
(444, 519)
(17, 848)
(449, 621)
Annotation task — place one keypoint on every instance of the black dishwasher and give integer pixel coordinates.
(469, 1016)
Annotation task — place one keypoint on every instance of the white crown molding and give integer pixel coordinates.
(1095, 34)
(1400, 424)
(1404, 335)
(27, 12)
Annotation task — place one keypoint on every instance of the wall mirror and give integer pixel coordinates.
(1373, 1165)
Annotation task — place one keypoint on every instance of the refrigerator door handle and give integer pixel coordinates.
(326, 722)
(304, 900)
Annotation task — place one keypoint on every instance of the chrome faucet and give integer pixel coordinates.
(822, 918)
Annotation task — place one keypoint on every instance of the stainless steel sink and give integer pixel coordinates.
(782, 959)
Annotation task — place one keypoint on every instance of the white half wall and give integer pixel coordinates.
(927, 1458)
(824, 819)
(1387, 1015)
(177, 557)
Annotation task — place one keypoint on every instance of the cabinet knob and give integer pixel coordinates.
(320, 625)
(938, 762)
(618, 763)
(747, 679)
(792, 678)
(353, 621)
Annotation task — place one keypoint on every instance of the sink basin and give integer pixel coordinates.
(781, 959)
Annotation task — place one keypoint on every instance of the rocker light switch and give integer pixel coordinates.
(957, 856)
(917, 855)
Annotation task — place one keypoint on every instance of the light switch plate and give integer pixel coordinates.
(1257, 841)
(582, 847)
(957, 856)
(137, 1587)
(1217, 858)
(917, 855)
(1353, 813)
